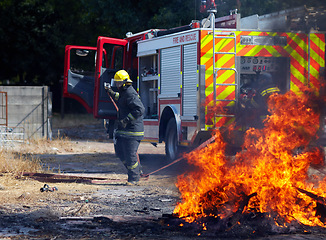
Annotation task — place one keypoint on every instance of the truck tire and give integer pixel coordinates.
(171, 140)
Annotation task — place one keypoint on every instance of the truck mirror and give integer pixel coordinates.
(82, 52)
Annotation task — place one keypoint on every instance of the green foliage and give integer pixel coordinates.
(24, 25)
(137, 16)
(33, 34)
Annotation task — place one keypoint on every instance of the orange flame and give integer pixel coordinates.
(269, 165)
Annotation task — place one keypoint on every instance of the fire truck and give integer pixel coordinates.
(182, 73)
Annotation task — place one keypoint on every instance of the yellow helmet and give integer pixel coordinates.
(122, 76)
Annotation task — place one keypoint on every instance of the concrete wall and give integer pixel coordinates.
(29, 110)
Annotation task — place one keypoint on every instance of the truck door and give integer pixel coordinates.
(79, 74)
(86, 70)
(111, 54)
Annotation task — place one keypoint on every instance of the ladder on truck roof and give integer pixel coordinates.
(232, 36)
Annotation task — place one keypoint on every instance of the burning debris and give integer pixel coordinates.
(269, 181)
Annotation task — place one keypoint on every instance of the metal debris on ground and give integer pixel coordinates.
(46, 188)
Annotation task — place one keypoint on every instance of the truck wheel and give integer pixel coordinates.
(171, 140)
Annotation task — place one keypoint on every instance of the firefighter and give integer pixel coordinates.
(264, 88)
(130, 127)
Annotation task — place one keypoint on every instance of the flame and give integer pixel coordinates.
(273, 164)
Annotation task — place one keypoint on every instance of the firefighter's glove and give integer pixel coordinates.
(110, 91)
(123, 123)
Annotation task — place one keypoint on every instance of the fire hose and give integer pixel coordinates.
(175, 161)
(179, 159)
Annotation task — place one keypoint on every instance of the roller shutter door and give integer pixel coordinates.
(170, 71)
(189, 81)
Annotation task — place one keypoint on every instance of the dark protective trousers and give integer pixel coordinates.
(126, 149)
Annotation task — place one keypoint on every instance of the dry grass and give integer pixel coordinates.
(13, 159)
(44, 146)
(19, 158)
(16, 158)
(13, 164)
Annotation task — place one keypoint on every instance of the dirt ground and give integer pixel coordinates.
(102, 210)
(89, 210)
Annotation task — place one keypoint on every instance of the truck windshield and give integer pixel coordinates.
(82, 62)
(114, 56)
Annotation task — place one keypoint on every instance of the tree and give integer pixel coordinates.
(23, 26)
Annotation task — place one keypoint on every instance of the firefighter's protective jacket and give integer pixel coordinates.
(255, 110)
(259, 101)
(131, 109)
